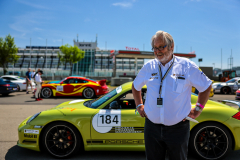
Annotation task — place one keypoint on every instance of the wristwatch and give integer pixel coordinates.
(197, 108)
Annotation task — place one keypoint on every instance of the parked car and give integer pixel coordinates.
(194, 90)
(75, 86)
(20, 81)
(109, 123)
(230, 86)
(7, 87)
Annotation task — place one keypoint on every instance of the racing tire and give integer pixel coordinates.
(5, 94)
(88, 93)
(225, 90)
(210, 141)
(46, 93)
(61, 140)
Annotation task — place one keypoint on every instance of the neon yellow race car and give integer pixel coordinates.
(110, 123)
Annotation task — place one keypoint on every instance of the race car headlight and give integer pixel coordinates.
(33, 117)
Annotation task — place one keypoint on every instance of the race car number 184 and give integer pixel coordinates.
(105, 120)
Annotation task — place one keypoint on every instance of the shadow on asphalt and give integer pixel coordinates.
(2, 96)
(17, 152)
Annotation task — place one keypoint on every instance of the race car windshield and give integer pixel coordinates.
(96, 103)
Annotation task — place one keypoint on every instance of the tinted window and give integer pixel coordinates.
(96, 103)
(81, 81)
(2, 81)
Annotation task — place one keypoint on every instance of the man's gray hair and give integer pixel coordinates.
(167, 38)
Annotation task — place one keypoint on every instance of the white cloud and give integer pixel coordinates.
(29, 21)
(32, 5)
(37, 29)
(124, 4)
(192, 1)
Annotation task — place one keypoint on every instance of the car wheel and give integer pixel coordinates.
(210, 141)
(46, 92)
(5, 94)
(88, 93)
(225, 90)
(61, 139)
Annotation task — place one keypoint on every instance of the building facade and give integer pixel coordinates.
(86, 65)
(96, 62)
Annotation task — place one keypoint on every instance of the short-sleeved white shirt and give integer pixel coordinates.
(176, 92)
(38, 78)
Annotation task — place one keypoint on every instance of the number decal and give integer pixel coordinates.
(59, 88)
(115, 119)
(107, 119)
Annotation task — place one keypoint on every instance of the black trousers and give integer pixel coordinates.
(160, 138)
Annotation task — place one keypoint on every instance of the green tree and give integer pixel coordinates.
(8, 52)
(70, 54)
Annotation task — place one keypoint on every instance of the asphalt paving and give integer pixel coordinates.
(19, 105)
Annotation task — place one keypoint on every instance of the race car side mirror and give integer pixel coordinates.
(114, 105)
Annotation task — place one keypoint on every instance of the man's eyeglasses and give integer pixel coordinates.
(159, 48)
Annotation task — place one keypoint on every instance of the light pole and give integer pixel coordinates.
(213, 65)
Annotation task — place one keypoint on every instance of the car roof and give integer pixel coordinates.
(83, 78)
(13, 76)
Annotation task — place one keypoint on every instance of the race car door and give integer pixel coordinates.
(68, 87)
(118, 126)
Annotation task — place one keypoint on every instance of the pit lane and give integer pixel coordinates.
(19, 105)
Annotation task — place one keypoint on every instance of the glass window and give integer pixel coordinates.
(96, 103)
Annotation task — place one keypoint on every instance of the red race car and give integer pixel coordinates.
(75, 86)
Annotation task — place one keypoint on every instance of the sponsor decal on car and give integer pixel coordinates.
(105, 119)
(127, 130)
(30, 136)
(59, 88)
(115, 141)
(31, 131)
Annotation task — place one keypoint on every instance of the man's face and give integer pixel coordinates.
(40, 73)
(163, 55)
(29, 70)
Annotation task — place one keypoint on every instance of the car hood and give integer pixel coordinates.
(70, 106)
(222, 84)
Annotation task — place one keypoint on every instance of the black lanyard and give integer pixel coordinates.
(162, 78)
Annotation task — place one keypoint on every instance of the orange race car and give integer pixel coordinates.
(75, 86)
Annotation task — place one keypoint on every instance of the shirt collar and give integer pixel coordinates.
(167, 64)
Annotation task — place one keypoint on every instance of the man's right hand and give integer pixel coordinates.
(141, 111)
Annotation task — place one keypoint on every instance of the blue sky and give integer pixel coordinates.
(203, 26)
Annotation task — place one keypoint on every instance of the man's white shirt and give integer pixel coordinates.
(32, 74)
(176, 92)
(38, 78)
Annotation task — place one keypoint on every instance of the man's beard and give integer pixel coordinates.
(166, 57)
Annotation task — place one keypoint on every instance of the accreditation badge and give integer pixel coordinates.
(159, 102)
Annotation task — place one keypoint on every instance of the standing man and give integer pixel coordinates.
(32, 74)
(28, 80)
(169, 81)
(38, 80)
